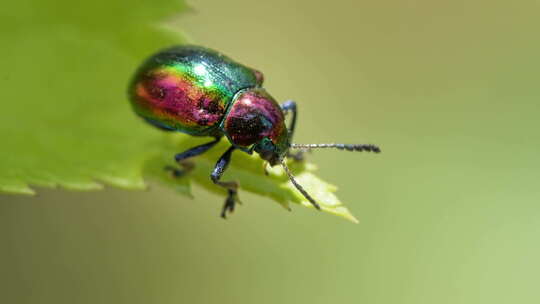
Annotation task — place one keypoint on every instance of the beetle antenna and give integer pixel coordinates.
(358, 147)
(300, 188)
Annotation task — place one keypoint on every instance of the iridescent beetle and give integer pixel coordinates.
(198, 91)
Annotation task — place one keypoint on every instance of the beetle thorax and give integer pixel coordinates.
(253, 116)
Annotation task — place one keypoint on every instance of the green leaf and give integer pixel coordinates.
(65, 120)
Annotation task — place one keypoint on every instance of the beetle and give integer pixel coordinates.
(201, 92)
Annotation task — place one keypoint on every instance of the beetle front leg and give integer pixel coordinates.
(290, 105)
(231, 186)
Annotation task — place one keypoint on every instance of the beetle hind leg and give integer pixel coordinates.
(231, 186)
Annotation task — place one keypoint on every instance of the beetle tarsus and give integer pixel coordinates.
(187, 167)
(175, 172)
(230, 202)
(231, 186)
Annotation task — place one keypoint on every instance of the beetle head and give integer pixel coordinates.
(270, 152)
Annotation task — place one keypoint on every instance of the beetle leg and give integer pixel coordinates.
(231, 186)
(186, 167)
(196, 150)
(287, 106)
(175, 172)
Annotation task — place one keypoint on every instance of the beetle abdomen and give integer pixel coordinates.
(188, 88)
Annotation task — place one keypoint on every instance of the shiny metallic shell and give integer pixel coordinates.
(189, 88)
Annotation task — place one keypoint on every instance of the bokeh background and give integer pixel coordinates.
(448, 212)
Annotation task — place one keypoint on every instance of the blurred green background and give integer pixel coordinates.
(448, 212)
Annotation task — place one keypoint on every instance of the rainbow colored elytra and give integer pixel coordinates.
(198, 91)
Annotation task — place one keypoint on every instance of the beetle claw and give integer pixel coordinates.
(174, 172)
(187, 166)
(230, 202)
